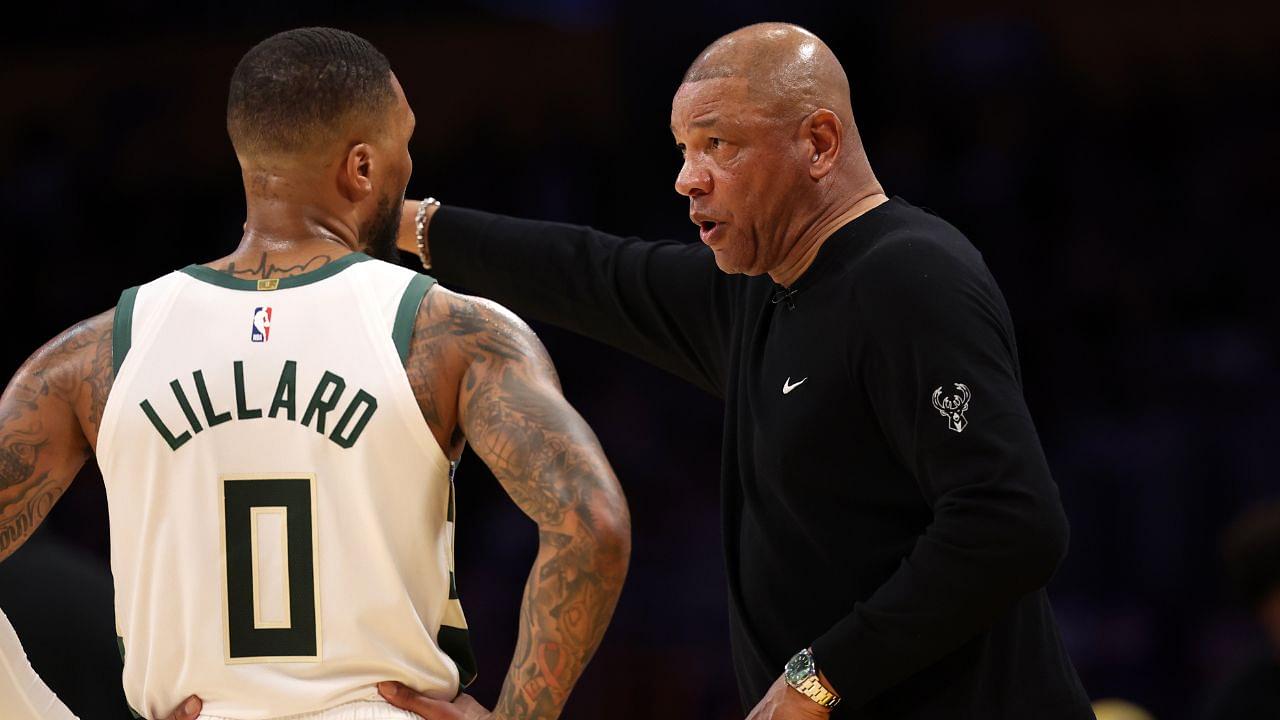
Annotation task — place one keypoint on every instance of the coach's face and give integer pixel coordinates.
(744, 171)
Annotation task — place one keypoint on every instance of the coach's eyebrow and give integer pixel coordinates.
(702, 122)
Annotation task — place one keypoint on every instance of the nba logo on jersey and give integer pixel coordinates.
(261, 324)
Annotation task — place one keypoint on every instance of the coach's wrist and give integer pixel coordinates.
(407, 237)
(804, 676)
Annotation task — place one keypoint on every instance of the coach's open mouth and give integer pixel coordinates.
(708, 230)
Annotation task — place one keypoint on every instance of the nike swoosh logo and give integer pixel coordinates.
(787, 387)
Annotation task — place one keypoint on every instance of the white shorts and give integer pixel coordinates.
(358, 710)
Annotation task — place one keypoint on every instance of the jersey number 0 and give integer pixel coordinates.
(269, 546)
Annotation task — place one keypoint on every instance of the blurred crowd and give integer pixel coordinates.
(1114, 164)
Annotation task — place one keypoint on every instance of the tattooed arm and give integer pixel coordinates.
(552, 466)
(510, 407)
(49, 416)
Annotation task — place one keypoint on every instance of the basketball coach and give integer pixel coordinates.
(889, 518)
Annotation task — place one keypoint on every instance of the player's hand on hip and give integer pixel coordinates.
(464, 707)
(783, 703)
(188, 710)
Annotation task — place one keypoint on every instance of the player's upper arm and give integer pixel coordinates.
(49, 416)
(517, 420)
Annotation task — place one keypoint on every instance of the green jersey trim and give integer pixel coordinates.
(456, 643)
(221, 279)
(122, 329)
(402, 330)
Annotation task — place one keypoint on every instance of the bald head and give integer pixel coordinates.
(787, 68)
(772, 160)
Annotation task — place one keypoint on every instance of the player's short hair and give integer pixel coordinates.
(297, 88)
(1251, 551)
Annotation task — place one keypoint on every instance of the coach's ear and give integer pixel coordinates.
(188, 710)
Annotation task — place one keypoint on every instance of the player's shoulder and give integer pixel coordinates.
(377, 268)
(473, 325)
(82, 342)
(76, 366)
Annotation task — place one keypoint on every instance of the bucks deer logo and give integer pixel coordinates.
(953, 407)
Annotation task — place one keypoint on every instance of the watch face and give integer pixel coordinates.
(799, 668)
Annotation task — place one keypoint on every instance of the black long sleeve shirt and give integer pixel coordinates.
(885, 497)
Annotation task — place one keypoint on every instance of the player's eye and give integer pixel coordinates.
(680, 147)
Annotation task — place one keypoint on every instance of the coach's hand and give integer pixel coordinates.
(783, 703)
(188, 710)
(464, 707)
(407, 236)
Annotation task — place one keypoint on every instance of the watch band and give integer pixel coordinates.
(813, 689)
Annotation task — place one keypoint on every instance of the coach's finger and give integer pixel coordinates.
(408, 699)
(188, 710)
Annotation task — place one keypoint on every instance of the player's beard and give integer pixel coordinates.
(380, 232)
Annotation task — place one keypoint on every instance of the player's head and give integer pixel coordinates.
(764, 121)
(320, 110)
(1251, 552)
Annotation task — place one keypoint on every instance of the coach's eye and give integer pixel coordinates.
(715, 143)
(681, 149)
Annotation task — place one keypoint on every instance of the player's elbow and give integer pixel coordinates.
(611, 534)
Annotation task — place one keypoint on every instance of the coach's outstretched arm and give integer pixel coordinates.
(49, 416)
(511, 410)
(664, 302)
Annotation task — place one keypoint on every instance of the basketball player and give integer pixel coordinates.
(277, 431)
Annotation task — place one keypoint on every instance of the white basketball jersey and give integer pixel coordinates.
(281, 515)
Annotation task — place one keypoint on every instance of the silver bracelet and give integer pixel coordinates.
(420, 230)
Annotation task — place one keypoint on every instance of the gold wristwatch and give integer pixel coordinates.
(801, 673)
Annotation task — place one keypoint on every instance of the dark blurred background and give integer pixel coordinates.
(1114, 163)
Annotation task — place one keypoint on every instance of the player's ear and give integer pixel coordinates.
(355, 174)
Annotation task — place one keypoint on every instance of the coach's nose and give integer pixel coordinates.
(693, 180)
